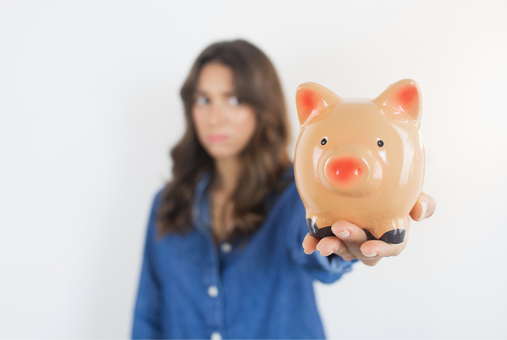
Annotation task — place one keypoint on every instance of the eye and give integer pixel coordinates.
(323, 141)
(233, 101)
(380, 143)
(201, 100)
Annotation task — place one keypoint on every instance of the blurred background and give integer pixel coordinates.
(89, 108)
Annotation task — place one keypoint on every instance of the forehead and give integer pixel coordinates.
(215, 77)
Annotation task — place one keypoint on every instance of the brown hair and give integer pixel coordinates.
(264, 159)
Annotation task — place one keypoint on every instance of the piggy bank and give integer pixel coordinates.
(359, 160)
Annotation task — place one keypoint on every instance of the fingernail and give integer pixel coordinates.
(307, 253)
(344, 233)
(424, 207)
(371, 254)
(331, 252)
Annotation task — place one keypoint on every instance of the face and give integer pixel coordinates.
(224, 125)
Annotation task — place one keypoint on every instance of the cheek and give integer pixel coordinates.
(197, 118)
(244, 122)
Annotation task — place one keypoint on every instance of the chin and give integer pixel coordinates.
(221, 153)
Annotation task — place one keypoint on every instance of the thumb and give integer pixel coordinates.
(424, 207)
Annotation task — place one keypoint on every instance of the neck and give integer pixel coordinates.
(227, 174)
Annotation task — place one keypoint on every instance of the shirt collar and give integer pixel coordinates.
(200, 203)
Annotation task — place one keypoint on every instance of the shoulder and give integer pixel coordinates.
(158, 198)
(156, 203)
(287, 202)
(163, 194)
(289, 193)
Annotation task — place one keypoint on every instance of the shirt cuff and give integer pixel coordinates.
(335, 263)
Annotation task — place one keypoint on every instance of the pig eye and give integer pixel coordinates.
(380, 143)
(323, 141)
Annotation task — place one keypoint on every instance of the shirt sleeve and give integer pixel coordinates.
(146, 323)
(326, 269)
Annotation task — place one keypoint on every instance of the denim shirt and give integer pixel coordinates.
(263, 288)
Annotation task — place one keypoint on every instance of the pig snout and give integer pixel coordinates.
(346, 171)
(350, 170)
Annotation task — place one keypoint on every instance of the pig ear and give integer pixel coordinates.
(311, 97)
(404, 96)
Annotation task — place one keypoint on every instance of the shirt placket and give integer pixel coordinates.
(214, 311)
(214, 294)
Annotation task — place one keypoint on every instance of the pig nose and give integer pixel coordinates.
(346, 171)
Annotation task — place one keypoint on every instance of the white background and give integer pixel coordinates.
(89, 109)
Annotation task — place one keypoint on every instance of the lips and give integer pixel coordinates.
(217, 138)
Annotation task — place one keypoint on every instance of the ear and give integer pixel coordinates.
(404, 96)
(311, 97)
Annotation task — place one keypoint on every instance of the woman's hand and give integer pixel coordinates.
(350, 241)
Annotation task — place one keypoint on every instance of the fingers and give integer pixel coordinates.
(350, 242)
(424, 208)
(326, 246)
(356, 241)
(310, 244)
(375, 250)
(348, 232)
(332, 245)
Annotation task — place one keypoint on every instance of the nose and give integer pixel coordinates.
(216, 114)
(346, 171)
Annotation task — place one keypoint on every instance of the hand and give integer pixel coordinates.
(350, 241)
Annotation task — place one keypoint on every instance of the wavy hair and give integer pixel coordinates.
(263, 160)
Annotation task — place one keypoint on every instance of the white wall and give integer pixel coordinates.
(89, 108)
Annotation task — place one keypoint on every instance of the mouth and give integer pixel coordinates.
(217, 138)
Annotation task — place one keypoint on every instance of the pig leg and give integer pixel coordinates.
(313, 227)
(393, 236)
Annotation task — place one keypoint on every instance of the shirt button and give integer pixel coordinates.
(213, 292)
(226, 247)
(216, 336)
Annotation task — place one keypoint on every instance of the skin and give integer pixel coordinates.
(224, 128)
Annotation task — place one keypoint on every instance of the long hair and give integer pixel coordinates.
(263, 160)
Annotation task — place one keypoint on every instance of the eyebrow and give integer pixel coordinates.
(225, 94)
(199, 92)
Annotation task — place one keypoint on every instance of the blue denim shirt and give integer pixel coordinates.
(192, 288)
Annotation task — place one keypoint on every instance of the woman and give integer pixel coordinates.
(223, 255)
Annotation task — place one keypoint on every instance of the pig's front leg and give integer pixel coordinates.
(317, 226)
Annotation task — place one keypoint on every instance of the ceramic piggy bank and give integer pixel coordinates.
(360, 160)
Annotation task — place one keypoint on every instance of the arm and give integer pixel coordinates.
(146, 323)
(326, 269)
(350, 241)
